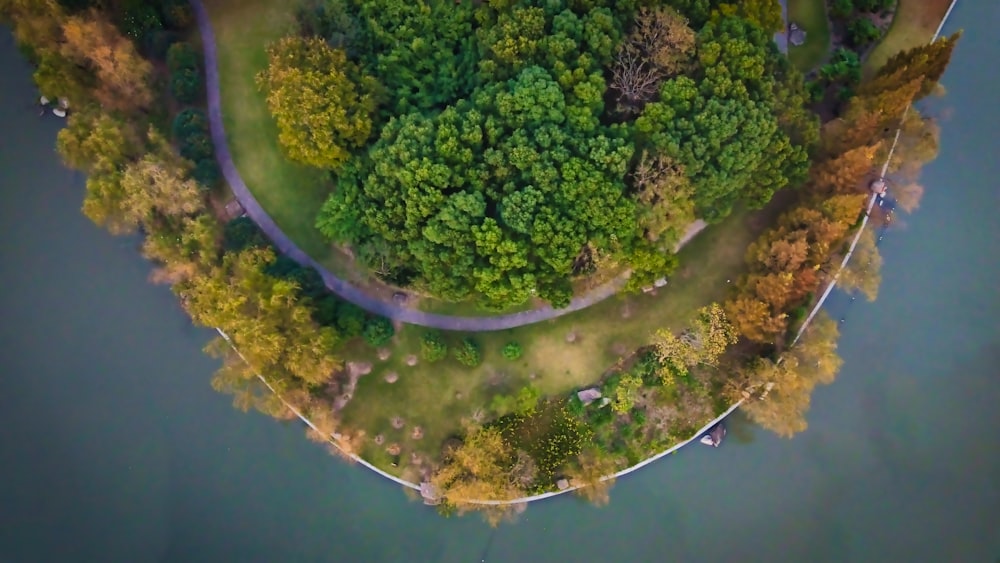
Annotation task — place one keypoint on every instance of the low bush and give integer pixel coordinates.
(467, 353)
(185, 85)
(512, 351)
(181, 56)
(351, 320)
(378, 331)
(206, 172)
(433, 347)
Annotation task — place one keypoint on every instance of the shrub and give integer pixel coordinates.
(862, 32)
(841, 9)
(378, 331)
(185, 85)
(206, 172)
(182, 56)
(190, 122)
(467, 353)
(432, 347)
(512, 351)
(324, 310)
(242, 233)
(350, 320)
(196, 147)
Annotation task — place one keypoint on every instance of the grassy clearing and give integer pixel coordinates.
(810, 15)
(291, 194)
(437, 396)
(913, 25)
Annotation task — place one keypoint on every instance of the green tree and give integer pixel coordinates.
(322, 102)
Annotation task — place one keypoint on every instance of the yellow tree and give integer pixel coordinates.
(151, 185)
(754, 320)
(484, 467)
(264, 317)
(122, 74)
(764, 13)
(777, 395)
(862, 271)
(322, 102)
(95, 141)
(591, 466)
(702, 343)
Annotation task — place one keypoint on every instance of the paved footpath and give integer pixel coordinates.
(341, 287)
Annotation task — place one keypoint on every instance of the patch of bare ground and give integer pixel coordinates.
(354, 372)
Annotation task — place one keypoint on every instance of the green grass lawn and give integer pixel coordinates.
(292, 194)
(437, 396)
(913, 25)
(810, 15)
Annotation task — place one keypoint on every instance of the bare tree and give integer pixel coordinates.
(660, 45)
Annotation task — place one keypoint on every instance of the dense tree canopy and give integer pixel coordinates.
(511, 181)
(497, 195)
(720, 124)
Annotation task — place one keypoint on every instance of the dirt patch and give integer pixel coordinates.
(384, 354)
(412, 360)
(391, 377)
(627, 310)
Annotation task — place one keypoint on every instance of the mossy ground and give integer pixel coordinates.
(810, 15)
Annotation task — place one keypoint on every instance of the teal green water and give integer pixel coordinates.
(114, 448)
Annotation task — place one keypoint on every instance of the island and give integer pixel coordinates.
(501, 250)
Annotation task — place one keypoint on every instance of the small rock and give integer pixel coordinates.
(562, 484)
(571, 337)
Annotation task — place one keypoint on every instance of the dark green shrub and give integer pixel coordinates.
(378, 331)
(185, 85)
(350, 320)
(325, 310)
(467, 353)
(861, 32)
(512, 351)
(242, 233)
(841, 9)
(190, 122)
(206, 172)
(433, 347)
(182, 56)
(196, 147)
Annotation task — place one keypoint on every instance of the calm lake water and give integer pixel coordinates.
(113, 447)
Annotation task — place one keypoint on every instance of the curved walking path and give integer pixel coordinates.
(339, 286)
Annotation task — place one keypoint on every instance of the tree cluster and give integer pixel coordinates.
(228, 278)
(790, 263)
(506, 183)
